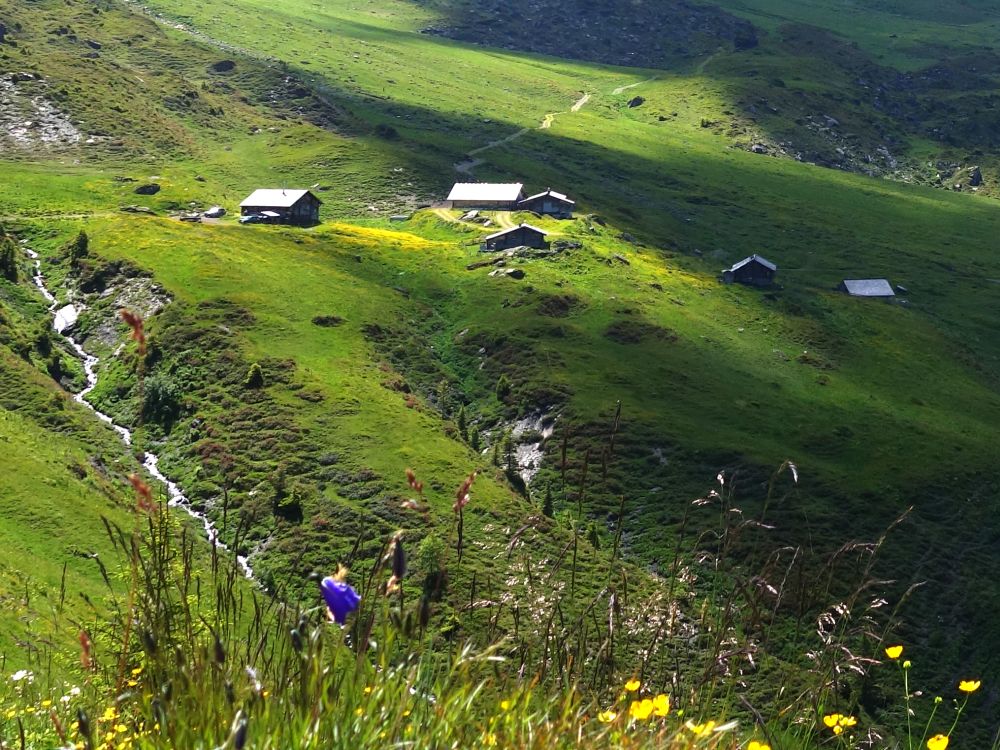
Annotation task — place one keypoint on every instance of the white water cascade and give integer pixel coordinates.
(63, 320)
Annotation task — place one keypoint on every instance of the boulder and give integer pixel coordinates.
(758, 148)
(222, 66)
(148, 189)
(3, 33)
(92, 44)
(975, 176)
(636, 101)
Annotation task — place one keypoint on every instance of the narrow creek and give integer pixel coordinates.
(63, 319)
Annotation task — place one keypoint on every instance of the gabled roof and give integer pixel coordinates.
(514, 229)
(868, 288)
(754, 259)
(552, 193)
(275, 198)
(486, 191)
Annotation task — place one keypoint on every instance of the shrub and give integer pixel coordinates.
(255, 377)
(8, 258)
(161, 399)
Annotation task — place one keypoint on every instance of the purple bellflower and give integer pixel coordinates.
(340, 597)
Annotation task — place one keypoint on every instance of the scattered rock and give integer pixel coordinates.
(124, 179)
(627, 237)
(399, 217)
(975, 177)
(3, 33)
(199, 178)
(327, 321)
(138, 210)
(621, 259)
(222, 66)
(510, 273)
(92, 44)
(636, 101)
(758, 148)
(150, 188)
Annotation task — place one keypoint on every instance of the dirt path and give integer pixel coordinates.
(623, 89)
(504, 220)
(10, 218)
(700, 70)
(467, 165)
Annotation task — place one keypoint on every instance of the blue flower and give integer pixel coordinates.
(340, 597)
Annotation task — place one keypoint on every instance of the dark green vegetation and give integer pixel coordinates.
(293, 375)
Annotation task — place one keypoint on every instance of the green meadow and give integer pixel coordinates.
(296, 374)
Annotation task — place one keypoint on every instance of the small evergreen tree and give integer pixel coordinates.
(503, 387)
(509, 453)
(548, 508)
(8, 258)
(78, 248)
(593, 536)
(474, 441)
(463, 426)
(255, 377)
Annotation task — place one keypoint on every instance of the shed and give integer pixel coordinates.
(867, 287)
(549, 203)
(755, 271)
(523, 235)
(283, 206)
(486, 195)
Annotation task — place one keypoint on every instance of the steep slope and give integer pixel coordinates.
(370, 335)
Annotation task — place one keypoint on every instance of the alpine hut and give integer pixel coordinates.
(486, 195)
(523, 235)
(867, 287)
(548, 203)
(283, 206)
(754, 271)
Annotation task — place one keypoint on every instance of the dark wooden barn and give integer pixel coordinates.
(290, 206)
(754, 271)
(549, 203)
(524, 235)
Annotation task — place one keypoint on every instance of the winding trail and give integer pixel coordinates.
(623, 89)
(62, 321)
(467, 165)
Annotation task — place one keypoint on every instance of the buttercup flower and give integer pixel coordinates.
(641, 710)
(340, 597)
(661, 705)
(937, 742)
(606, 717)
(632, 685)
(700, 730)
(754, 745)
(831, 720)
(894, 652)
(969, 686)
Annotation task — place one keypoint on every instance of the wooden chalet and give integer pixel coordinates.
(548, 203)
(867, 288)
(524, 235)
(486, 196)
(753, 271)
(283, 206)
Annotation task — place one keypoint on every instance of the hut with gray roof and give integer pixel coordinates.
(283, 206)
(549, 203)
(867, 287)
(755, 270)
(486, 196)
(523, 235)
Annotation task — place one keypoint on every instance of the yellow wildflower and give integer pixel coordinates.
(848, 721)
(137, 671)
(700, 730)
(755, 745)
(641, 710)
(490, 740)
(832, 720)
(109, 714)
(46, 703)
(632, 685)
(894, 652)
(661, 705)
(937, 742)
(969, 686)
(606, 717)
(504, 705)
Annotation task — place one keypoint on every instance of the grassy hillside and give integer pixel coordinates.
(371, 335)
